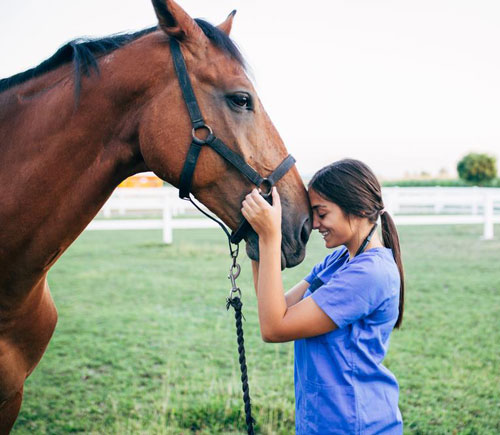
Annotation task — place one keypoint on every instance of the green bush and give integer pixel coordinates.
(478, 169)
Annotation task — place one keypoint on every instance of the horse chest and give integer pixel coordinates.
(25, 335)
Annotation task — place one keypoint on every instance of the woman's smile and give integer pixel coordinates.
(324, 233)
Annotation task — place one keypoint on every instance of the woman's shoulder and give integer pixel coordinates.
(332, 258)
(375, 266)
(359, 287)
(327, 266)
(375, 256)
(336, 255)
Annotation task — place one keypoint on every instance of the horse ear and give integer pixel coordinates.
(227, 24)
(175, 22)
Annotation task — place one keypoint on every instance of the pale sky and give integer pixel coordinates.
(405, 86)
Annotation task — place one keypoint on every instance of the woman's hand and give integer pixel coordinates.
(264, 217)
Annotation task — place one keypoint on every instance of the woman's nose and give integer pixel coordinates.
(315, 222)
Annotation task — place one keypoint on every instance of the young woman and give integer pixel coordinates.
(342, 314)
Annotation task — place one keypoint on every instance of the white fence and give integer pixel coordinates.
(408, 206)
(149, 202)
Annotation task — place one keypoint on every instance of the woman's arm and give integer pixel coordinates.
(255, 273)
(292, 296)
(278, 322)
(296, 293)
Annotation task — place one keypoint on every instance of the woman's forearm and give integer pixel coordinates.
(296, 293)
(270, 298)
(292, 296)
(266, 222)
(255, 273)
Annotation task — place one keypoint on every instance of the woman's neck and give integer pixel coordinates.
(357, 240)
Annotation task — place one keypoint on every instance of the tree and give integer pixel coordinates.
(477, 168)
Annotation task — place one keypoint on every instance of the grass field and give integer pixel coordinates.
(144, 343)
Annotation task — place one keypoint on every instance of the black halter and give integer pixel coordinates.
(218, 146)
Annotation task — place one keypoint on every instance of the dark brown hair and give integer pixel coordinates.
(353, 186)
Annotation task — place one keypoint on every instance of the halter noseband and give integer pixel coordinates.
(218, 146)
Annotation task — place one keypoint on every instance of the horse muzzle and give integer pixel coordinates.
(293, 243)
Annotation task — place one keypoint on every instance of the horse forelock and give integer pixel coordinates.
(83, 51)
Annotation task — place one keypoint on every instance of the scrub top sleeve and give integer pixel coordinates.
(310, 278)
(351, 294)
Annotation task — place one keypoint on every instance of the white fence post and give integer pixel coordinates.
(106, 210)
(488, 216)
(121, 203)
(391, 200)
(475, 204)
(438, 201)
(167, 220)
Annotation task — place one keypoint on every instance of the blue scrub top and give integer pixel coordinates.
(341, 386)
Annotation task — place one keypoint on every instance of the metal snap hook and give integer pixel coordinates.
(234, 272)
(208, 139)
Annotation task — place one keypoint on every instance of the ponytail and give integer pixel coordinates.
(391, 240)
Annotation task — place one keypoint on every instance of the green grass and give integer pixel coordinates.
(144, 343)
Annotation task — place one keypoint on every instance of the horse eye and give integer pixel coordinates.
(241, 100)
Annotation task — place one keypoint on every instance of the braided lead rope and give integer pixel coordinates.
(236, 303)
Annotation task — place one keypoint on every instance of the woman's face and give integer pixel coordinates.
(330, 221)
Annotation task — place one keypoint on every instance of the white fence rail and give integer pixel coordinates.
(408, 206)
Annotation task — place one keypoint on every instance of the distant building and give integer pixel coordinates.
(143, 179)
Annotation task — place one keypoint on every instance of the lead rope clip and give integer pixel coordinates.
(234, 272)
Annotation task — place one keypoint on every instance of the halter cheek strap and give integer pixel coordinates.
(198, 123)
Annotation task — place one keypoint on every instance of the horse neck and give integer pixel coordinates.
(60, 162)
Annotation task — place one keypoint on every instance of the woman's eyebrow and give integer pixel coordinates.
(314, 207)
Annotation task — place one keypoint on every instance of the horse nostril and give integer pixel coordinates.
(305, 231)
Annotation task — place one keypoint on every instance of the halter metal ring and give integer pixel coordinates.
(266, 188)
(199, 141)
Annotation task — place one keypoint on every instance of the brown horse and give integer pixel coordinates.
(71, 131)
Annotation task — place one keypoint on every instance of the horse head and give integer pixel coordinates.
(230, 106)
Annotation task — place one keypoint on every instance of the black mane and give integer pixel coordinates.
(83, 51)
